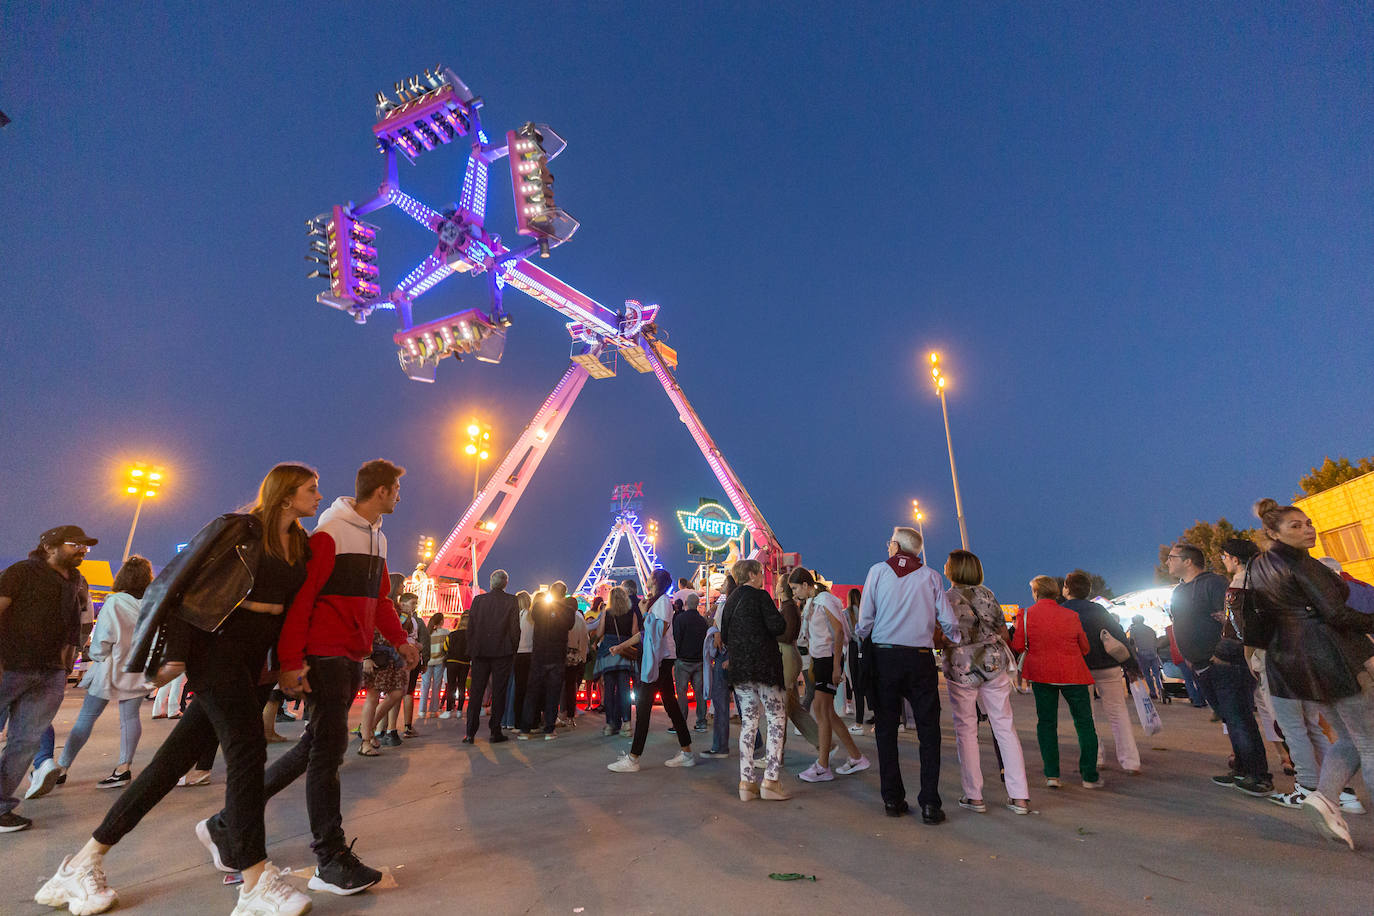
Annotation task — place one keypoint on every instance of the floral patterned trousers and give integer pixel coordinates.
(772, 702)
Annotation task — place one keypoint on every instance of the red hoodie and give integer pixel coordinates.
(345, 595)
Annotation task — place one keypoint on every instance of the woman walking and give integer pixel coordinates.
(1054, 643)
(655, 678)
(828, 626)
(1317, 652)
(616, 626)
(977, 674)
(790, 609)
(217, 609)
(111, 645)
(750, 627)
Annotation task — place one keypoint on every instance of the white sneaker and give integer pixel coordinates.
(1292, 799)
(43, 780)
(446, 714)
(203, 834)
(1350, 803)
(796, 731)
(683, 759)
(816, 773)
(626, 764)
(272, 896)
(1328, 818)
(856, 729)
(852, 765)
(83, 890)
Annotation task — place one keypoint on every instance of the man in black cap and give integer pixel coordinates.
(41, 599)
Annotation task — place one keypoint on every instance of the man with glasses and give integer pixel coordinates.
(1198, 607)
(41, 600)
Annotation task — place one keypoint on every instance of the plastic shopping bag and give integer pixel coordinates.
(1145, 710)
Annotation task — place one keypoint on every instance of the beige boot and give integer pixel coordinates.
(748, 791)
(772, 790)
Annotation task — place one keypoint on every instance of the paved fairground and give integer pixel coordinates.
(543, 827)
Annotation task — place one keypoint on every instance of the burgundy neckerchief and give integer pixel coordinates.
(903, 563)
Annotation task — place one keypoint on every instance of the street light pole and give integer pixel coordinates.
(949, 442)
(479, 437)
(144, 482)
(920, 528)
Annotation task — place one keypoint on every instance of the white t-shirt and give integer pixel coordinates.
(822, 637)
(526, 633)
(662, 609)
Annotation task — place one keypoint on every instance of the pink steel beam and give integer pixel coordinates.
(475, 534)
(766, 545)
(561, 297)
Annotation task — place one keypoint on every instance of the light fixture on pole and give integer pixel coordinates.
(426, 548)
(479, 440)
(939, 381)
(142, 481)
(920, 528)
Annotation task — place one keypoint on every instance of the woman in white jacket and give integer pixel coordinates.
(107, 680)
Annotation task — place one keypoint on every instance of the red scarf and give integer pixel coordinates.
(903, 563)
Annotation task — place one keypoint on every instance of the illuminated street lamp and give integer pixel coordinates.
(652, 532)
(142, 481)
(939, 381)
(479, 441)
(916, 514)
(426, 548)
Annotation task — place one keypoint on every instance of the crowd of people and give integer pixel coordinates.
(255, 614)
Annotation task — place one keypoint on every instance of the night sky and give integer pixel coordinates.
(1142, 239)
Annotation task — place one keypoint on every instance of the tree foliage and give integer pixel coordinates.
(1100, 588)
(1333, 474)
(1207, 537)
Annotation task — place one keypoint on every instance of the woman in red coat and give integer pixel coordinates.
(1054, 643)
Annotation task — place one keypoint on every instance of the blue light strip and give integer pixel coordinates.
(413, 208)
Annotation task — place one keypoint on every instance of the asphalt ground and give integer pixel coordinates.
(543, 827)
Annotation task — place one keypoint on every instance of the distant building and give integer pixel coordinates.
(1344, 517)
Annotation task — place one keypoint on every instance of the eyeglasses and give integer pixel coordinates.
(1174, 556)
(76, 545)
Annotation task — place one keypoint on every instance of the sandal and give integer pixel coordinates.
(1016, 807)
(368, 749)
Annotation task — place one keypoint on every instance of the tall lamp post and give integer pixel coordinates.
(916, 514)
(143, 482)
(479, 438)
(939, 381)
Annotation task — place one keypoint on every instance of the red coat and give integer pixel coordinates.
(1057, 644)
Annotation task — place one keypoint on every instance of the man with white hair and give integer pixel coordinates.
(493, 636)
(903, 601)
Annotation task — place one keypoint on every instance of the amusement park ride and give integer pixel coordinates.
(434, 110)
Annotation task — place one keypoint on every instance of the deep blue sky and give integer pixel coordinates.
(1141, 236)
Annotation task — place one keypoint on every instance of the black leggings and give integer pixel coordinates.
(457, 675)
(644, 707)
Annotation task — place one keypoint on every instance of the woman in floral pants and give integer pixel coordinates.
(750, 626)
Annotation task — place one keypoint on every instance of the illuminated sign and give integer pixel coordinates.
(710, 526)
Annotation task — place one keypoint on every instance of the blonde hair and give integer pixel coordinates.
(744, 570)
(278, 487)
(619, 602)
(1045, 587)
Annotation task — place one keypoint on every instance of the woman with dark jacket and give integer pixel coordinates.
(214, 613)
(750, 627)
(1106, 670)
(1318, 651)
(1054, 642)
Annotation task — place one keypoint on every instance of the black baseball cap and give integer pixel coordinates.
(64, 533)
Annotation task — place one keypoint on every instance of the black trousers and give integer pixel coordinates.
(496, 670)
(523, 660)
(457, 675)
(334, 682)
(857, 680)
(226, 710)
(572, 677)
(644, 707)
(907, 674)
(543, 692)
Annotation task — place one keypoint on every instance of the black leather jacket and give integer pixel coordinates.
(1316, 646)
(201, 586)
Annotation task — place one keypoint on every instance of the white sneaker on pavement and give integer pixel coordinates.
(856, 729)
(446, 714)
(44, 779)
(82, 889)
(683, 759)
(1327, 818)
(1350, 803)
(852, 765)
(626, 764)
(271, 896)
(816, 773)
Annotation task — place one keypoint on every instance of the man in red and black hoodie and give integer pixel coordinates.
(326, 635)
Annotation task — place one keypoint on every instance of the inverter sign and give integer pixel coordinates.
(710, 526)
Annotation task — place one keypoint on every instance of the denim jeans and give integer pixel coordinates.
(615, 685)
(431, 688)
(720, 705)
(130, 728)
(334, 682)
(685, 673)
(1230, 690)
(1196, 695)
(30, 699)
(1153, 670)
(1300, 721)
